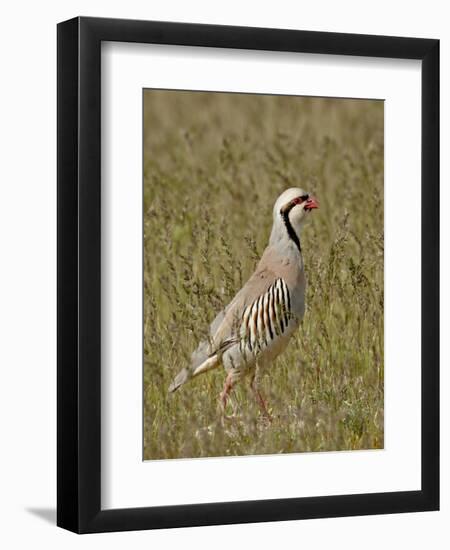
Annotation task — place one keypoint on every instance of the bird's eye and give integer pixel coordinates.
(299, 200)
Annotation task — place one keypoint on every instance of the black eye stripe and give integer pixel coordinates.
(290, 205)
(301, 199)
(298, 200)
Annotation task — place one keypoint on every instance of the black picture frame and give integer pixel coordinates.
(79, 280)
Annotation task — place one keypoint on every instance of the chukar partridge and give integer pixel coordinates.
(256, 326)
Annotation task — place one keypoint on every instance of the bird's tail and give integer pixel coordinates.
(181, 378)
(190, 372)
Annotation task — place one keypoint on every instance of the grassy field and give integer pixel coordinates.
(213, 166)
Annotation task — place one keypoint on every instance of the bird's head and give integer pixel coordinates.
(292, 208)
(295, 204)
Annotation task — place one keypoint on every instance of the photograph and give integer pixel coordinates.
(263, 274)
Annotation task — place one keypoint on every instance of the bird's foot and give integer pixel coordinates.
(228, 420)
(230, 417)
(267, 418)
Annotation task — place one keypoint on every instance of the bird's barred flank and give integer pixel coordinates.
(266, 318)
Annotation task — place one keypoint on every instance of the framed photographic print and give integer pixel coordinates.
(248, 289)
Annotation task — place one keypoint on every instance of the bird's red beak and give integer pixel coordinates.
(311, 203)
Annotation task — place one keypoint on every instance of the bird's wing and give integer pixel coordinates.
(251, 296)
(250, 305)
(259, 310)
(261, 314)
(224, 330)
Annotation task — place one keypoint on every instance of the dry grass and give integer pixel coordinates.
(213, 167)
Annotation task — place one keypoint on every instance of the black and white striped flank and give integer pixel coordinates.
(266, 319)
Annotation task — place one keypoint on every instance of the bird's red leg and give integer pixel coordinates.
(259, 399)
(223, 399)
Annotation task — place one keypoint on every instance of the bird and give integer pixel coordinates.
(256, 326)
